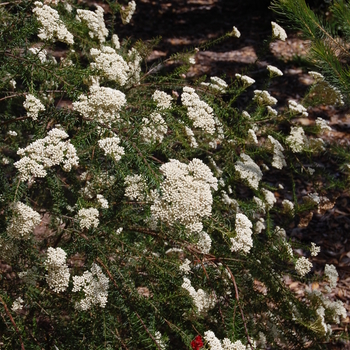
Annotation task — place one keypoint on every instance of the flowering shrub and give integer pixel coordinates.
(139, 211)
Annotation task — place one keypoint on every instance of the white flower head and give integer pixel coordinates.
(45, 153)
(264, 98)
(57, 270)
(247, 81)
(235, 32)
(95, 22)
(278, 160)
(94, 284)
(274, 71)
(331, 274)
(110, 145)
(303, 266)
(52, 27)
(23, 221)
(185, 193)
(278, 32)
(297, 139)
(88, 218)
(33, 106)
(154, 128)
(297, 108)
(249, 171)
(162, 98)
(198, 111)
(202, 300)
(127, 12)
(17, 304)
(243, 241)
(314, 250)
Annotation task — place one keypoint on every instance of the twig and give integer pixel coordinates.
(144, 326)
(10, 96)
(108, 272)
(13, 322)
(239, 305)
(120, 339)
(14, 120)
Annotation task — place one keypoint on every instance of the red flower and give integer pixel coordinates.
(197, 343)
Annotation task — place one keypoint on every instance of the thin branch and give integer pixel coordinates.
(108, 272)
(13, 322)
(14, 120)
(144, 326)
(10, 96)
(239, 305)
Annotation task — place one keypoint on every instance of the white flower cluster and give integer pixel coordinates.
(274, 71)
(17, 304)
(13, 84)
(260, 225)
(314, 250)
(247, 81)
(272, 112)
(190, 134)
(323, 324)
(318, 77)
(88, 218)
(248, 170)
(41, 53)
(288, 206)
(217, 84)
(226, 344)
(135, 187)
(252, 137)
(201, 299)
(154, 128)
(46, 153)
(235, 32)
(23, 221)
(297, 139)
(52, 26)
(134, 64)
(126, 13)
(95, 286)
(110, 145)
(103, 104)
(115, 41)
(185, 267)
(111, 64)
(198, 111)
(185, 194)
(303, 266)
(162, 98)
(204, 242)
(322, 124)
(336, 309)
(278, 32)
(95, 23)
(57, 270)
(264, 98)
(270, 198)
(160, 342)
(243, 240)
(278, 160)
(102, 201)
(331, 274)
(33, 106)
(297, 108)
(12, 133)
